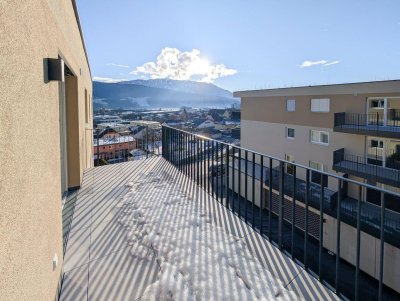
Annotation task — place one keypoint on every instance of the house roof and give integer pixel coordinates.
(197, 122)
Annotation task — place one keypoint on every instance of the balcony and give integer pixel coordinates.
(373, 124)
(187, 225)
(367, 167)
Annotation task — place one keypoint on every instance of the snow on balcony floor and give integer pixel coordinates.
(142, 230)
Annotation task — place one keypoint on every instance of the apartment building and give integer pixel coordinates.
(46, 106)
(349, 129)
(352, 130)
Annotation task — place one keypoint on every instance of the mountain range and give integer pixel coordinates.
(159, 93)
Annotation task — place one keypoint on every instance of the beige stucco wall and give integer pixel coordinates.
(369, 254)
(30, 189)
(270, 138)
(273, 109)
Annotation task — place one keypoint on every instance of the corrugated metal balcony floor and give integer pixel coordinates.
(99, 264)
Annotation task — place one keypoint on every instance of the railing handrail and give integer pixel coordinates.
(289, 162)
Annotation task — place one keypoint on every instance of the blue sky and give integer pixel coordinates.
(242, 45)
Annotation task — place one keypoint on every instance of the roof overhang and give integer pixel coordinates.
(390, 86)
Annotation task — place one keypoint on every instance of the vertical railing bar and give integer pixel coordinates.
(246, 184)
(261, 189)
(233, 178)
(358, 243)
(191, 156)
(281, 198)
(293, 210)
(205, 164)
(338, 210)
(239, 180)
(321, 227)
(227, 175)
(197, 161)
(270, 200)
(216, 170)
(221, 172)
(253, 190)
(180, 150)
(208, 166)
(203, 161)
(307, 196)
(382, 246)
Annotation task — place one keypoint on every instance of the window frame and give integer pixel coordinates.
(293, 102)
(319, 137)
(319, 101)
(287, 133)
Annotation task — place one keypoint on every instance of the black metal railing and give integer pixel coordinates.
(279, 200)
(111, 146)
(369, 123)
(382, 168)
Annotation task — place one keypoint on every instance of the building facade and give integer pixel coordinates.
(321, 127)
(349, 129)
(46, 104)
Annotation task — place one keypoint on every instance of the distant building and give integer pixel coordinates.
(202, 123)
(351, 129)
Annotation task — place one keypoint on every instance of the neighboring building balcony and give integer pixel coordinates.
(202, 221)
(372, 124)
(369, 167)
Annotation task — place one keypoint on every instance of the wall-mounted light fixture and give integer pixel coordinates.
(55, 69)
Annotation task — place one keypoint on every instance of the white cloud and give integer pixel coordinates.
(183, 65)
(332, 63)
(117, 65)
(323, 63)
(107, 79)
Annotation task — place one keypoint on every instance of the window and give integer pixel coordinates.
(290, 105)
(377, 103)
(320, 105)
(289, 167)
(320, 137)
(376, 143)
(317, 177)
(289, 133)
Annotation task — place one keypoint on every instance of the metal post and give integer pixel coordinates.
(261, 189)
(222, 173)
(281, 197)
(239, 180)
(245, 184)
(321, 228)
(233, 179)
(98, 148)
(293, 210)
(338, 209)
(253, 189)
(382, 245)
(197, 161)
(270, 200)
(358, 243)
(227, 176)
(208, 166)
(306, 217)
(147, 141)
(215, 170)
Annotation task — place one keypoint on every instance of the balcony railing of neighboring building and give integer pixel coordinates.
(293, 221)
(116, 147)
(370, 167)
(369, 124)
